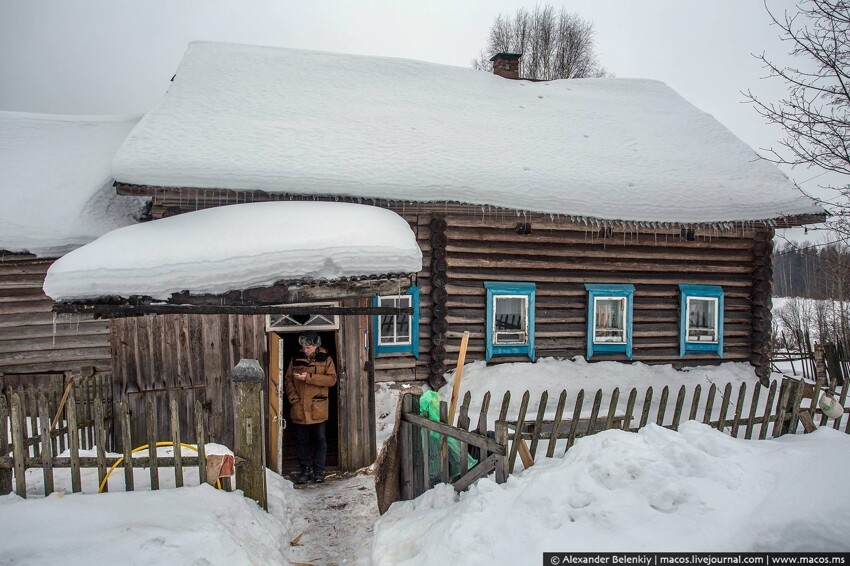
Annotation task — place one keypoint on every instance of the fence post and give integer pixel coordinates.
(249, 428)
(819, 356)
(5, 473)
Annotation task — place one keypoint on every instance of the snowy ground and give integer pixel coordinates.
(697, 489)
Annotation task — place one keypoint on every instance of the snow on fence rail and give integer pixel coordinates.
(751, 412)
(29, 438)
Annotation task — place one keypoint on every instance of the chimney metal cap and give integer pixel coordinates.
(507, 56)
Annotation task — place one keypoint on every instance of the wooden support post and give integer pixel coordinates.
(249, 430)
(5, 473)
(100, 442)
(406, 439)
(46, 445)
(502, 469)
(129, 478)
(175, 443)
(200, 441)
(150, 426)
(18, 446)
(74, 441)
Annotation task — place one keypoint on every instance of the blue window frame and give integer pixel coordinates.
(397, 333)
(701, 319)
(510, 319)
(609, 319)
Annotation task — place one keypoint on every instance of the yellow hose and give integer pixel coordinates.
(144, 447)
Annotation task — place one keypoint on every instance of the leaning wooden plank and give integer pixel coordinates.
(175, 443)
(662, 406)
(100, 442)
(739, 407)
(748, 434)
(677, 409)
(406, 450)
(538, 424)
(482, 421)
(842, 399)
(647, 404)
(556, 424)
(444, 444)
(73, 441)
(571, 438)
(129, 480)
(150, 421)
(5, 473)
(795, 407)
(630, 409)
(46, 444)
(612, 409)
(480, 470)
(709, 404)
(594, 412)
(724, 406)
(517, 436)
(461, 358)
(692, 416)
(502, 470)
(468, 437)
(20, 453)
(463, 422)
(779, 425)
(200, 441)
(807, 421)
(768, 411)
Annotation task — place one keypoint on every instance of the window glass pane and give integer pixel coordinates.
(702, 320)
(510, 313)
(610, 320)
(394, 329)
(509, 320)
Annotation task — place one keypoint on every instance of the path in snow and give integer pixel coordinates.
(336, 519)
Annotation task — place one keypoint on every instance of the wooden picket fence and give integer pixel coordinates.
(749, 411)
(36, 425)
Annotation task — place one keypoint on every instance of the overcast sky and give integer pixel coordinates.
(117, 56)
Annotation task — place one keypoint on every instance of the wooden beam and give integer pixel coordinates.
(117, 311)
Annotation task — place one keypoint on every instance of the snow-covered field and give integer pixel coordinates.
(696, 489)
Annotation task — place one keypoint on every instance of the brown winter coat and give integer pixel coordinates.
(309, 399)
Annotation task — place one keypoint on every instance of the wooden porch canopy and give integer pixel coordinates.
(276, 299)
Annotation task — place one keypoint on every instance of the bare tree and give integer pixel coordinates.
(554, 45)
(815, 113)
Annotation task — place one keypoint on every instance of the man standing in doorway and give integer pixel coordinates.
(311, 372)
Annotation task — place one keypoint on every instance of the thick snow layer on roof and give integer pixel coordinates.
(281, 120)
(238, 247)
(56, 181)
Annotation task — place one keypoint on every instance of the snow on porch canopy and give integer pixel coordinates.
(289, 121)
(237, 247)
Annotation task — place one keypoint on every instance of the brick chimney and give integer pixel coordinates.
(506, 65)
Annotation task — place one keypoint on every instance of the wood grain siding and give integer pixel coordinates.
(28, 343)
(186, 356)
(560, 257)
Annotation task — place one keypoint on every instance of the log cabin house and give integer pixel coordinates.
(58, 194)
(605, 218)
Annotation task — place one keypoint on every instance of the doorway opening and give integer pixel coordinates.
(282, 454)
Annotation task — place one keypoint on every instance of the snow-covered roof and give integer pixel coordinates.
(56, 181)
(238, 247)
(283, 120)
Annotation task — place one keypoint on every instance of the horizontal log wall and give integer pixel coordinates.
(187, 356)
(29, 341)
(560, 257)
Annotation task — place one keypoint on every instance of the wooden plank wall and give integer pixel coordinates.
(187, 356)
(28, 344)
(560, 257)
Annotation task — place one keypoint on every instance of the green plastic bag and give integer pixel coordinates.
(429, 406)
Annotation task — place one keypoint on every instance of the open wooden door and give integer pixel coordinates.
(277, 420)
